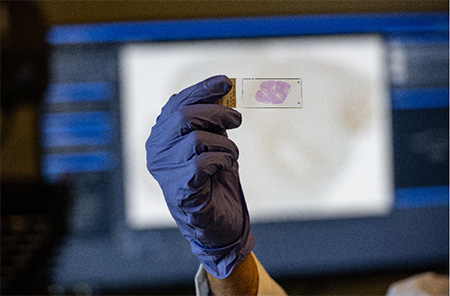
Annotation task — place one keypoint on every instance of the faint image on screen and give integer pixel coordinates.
(329, 159)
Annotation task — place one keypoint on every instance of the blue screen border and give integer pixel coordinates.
(248, 27)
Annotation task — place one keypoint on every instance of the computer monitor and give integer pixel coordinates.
(356, 179)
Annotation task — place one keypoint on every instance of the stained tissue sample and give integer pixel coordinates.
(272, 92)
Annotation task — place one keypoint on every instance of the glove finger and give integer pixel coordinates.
(207, 91)
(210, 117)
(190, 146)
(208, 164)
(192, 175)
(210, 142)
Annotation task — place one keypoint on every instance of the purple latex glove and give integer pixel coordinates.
(194, 162)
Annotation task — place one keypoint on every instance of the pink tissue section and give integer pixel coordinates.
(272, 92)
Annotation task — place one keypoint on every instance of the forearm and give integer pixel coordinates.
(243, 280)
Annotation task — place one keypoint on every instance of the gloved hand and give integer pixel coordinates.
(195, 164)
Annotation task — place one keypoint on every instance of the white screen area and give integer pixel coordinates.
(329, 159)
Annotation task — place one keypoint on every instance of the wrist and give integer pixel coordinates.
(243, 280)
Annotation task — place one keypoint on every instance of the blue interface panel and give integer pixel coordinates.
(81, 142)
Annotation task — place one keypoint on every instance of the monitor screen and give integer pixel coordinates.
(350, 177)
(331, 158)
